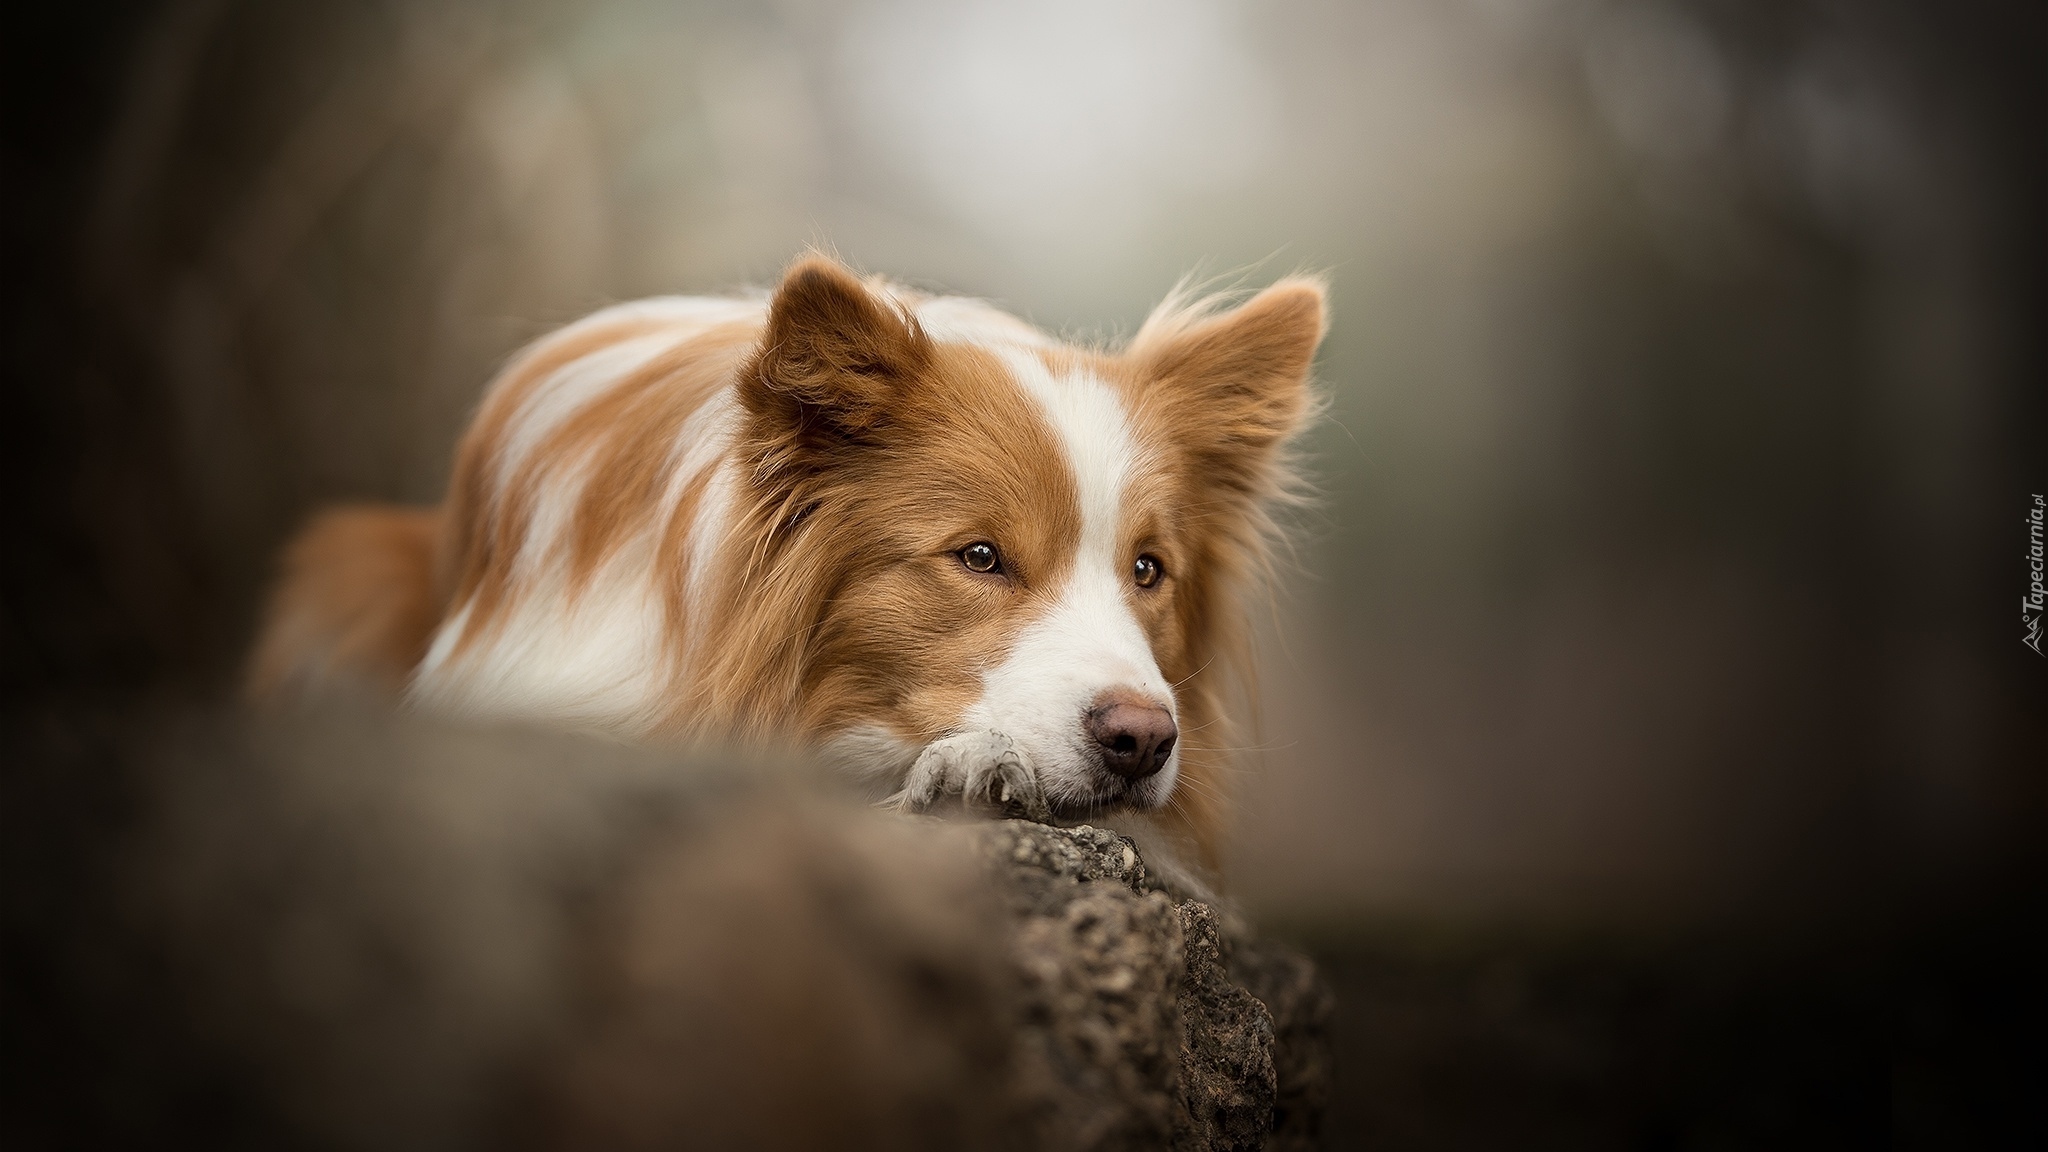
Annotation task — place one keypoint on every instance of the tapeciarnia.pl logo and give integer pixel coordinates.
(2036, 598)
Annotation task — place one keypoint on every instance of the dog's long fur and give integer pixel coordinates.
(745, 518)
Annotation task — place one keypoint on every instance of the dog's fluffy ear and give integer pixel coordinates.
(1237, 382)
(833, 354)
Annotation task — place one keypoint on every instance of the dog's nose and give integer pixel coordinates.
(1136, 736)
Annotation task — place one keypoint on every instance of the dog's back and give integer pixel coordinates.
(357, 602)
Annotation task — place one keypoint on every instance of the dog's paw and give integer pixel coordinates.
(982, 768)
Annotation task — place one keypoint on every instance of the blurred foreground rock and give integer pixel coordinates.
(1149, 1022)
(345, 931)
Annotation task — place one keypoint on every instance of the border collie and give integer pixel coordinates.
(953, 554)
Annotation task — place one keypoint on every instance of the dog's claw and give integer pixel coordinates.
(1016, 790)
(983, 768)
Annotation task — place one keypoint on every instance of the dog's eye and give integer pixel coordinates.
(1147, 571)
(981, 557)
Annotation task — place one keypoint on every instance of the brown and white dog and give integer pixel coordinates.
(954, 554)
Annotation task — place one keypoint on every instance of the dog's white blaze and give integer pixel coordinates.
(1089, 641)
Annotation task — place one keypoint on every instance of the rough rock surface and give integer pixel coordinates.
(1151, 1020)
(347, 931)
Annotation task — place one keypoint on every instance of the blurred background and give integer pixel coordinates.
(1648, 746)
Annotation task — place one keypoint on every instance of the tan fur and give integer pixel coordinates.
(357, 601)
(1227, 391)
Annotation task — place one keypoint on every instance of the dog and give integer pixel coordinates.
(954, 555)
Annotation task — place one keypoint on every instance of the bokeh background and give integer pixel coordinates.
(1647, 746)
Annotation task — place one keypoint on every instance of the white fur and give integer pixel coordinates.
(585, 662)
(962, 320)
(1089, 642)
(872, 754)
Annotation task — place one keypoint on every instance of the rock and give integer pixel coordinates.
(1302, 1010)
(1143, 1026)
(353, 931)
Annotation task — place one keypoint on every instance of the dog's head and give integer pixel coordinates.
(976, 527)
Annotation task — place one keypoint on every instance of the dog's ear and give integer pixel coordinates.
(1237, 383)
(832, 357)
